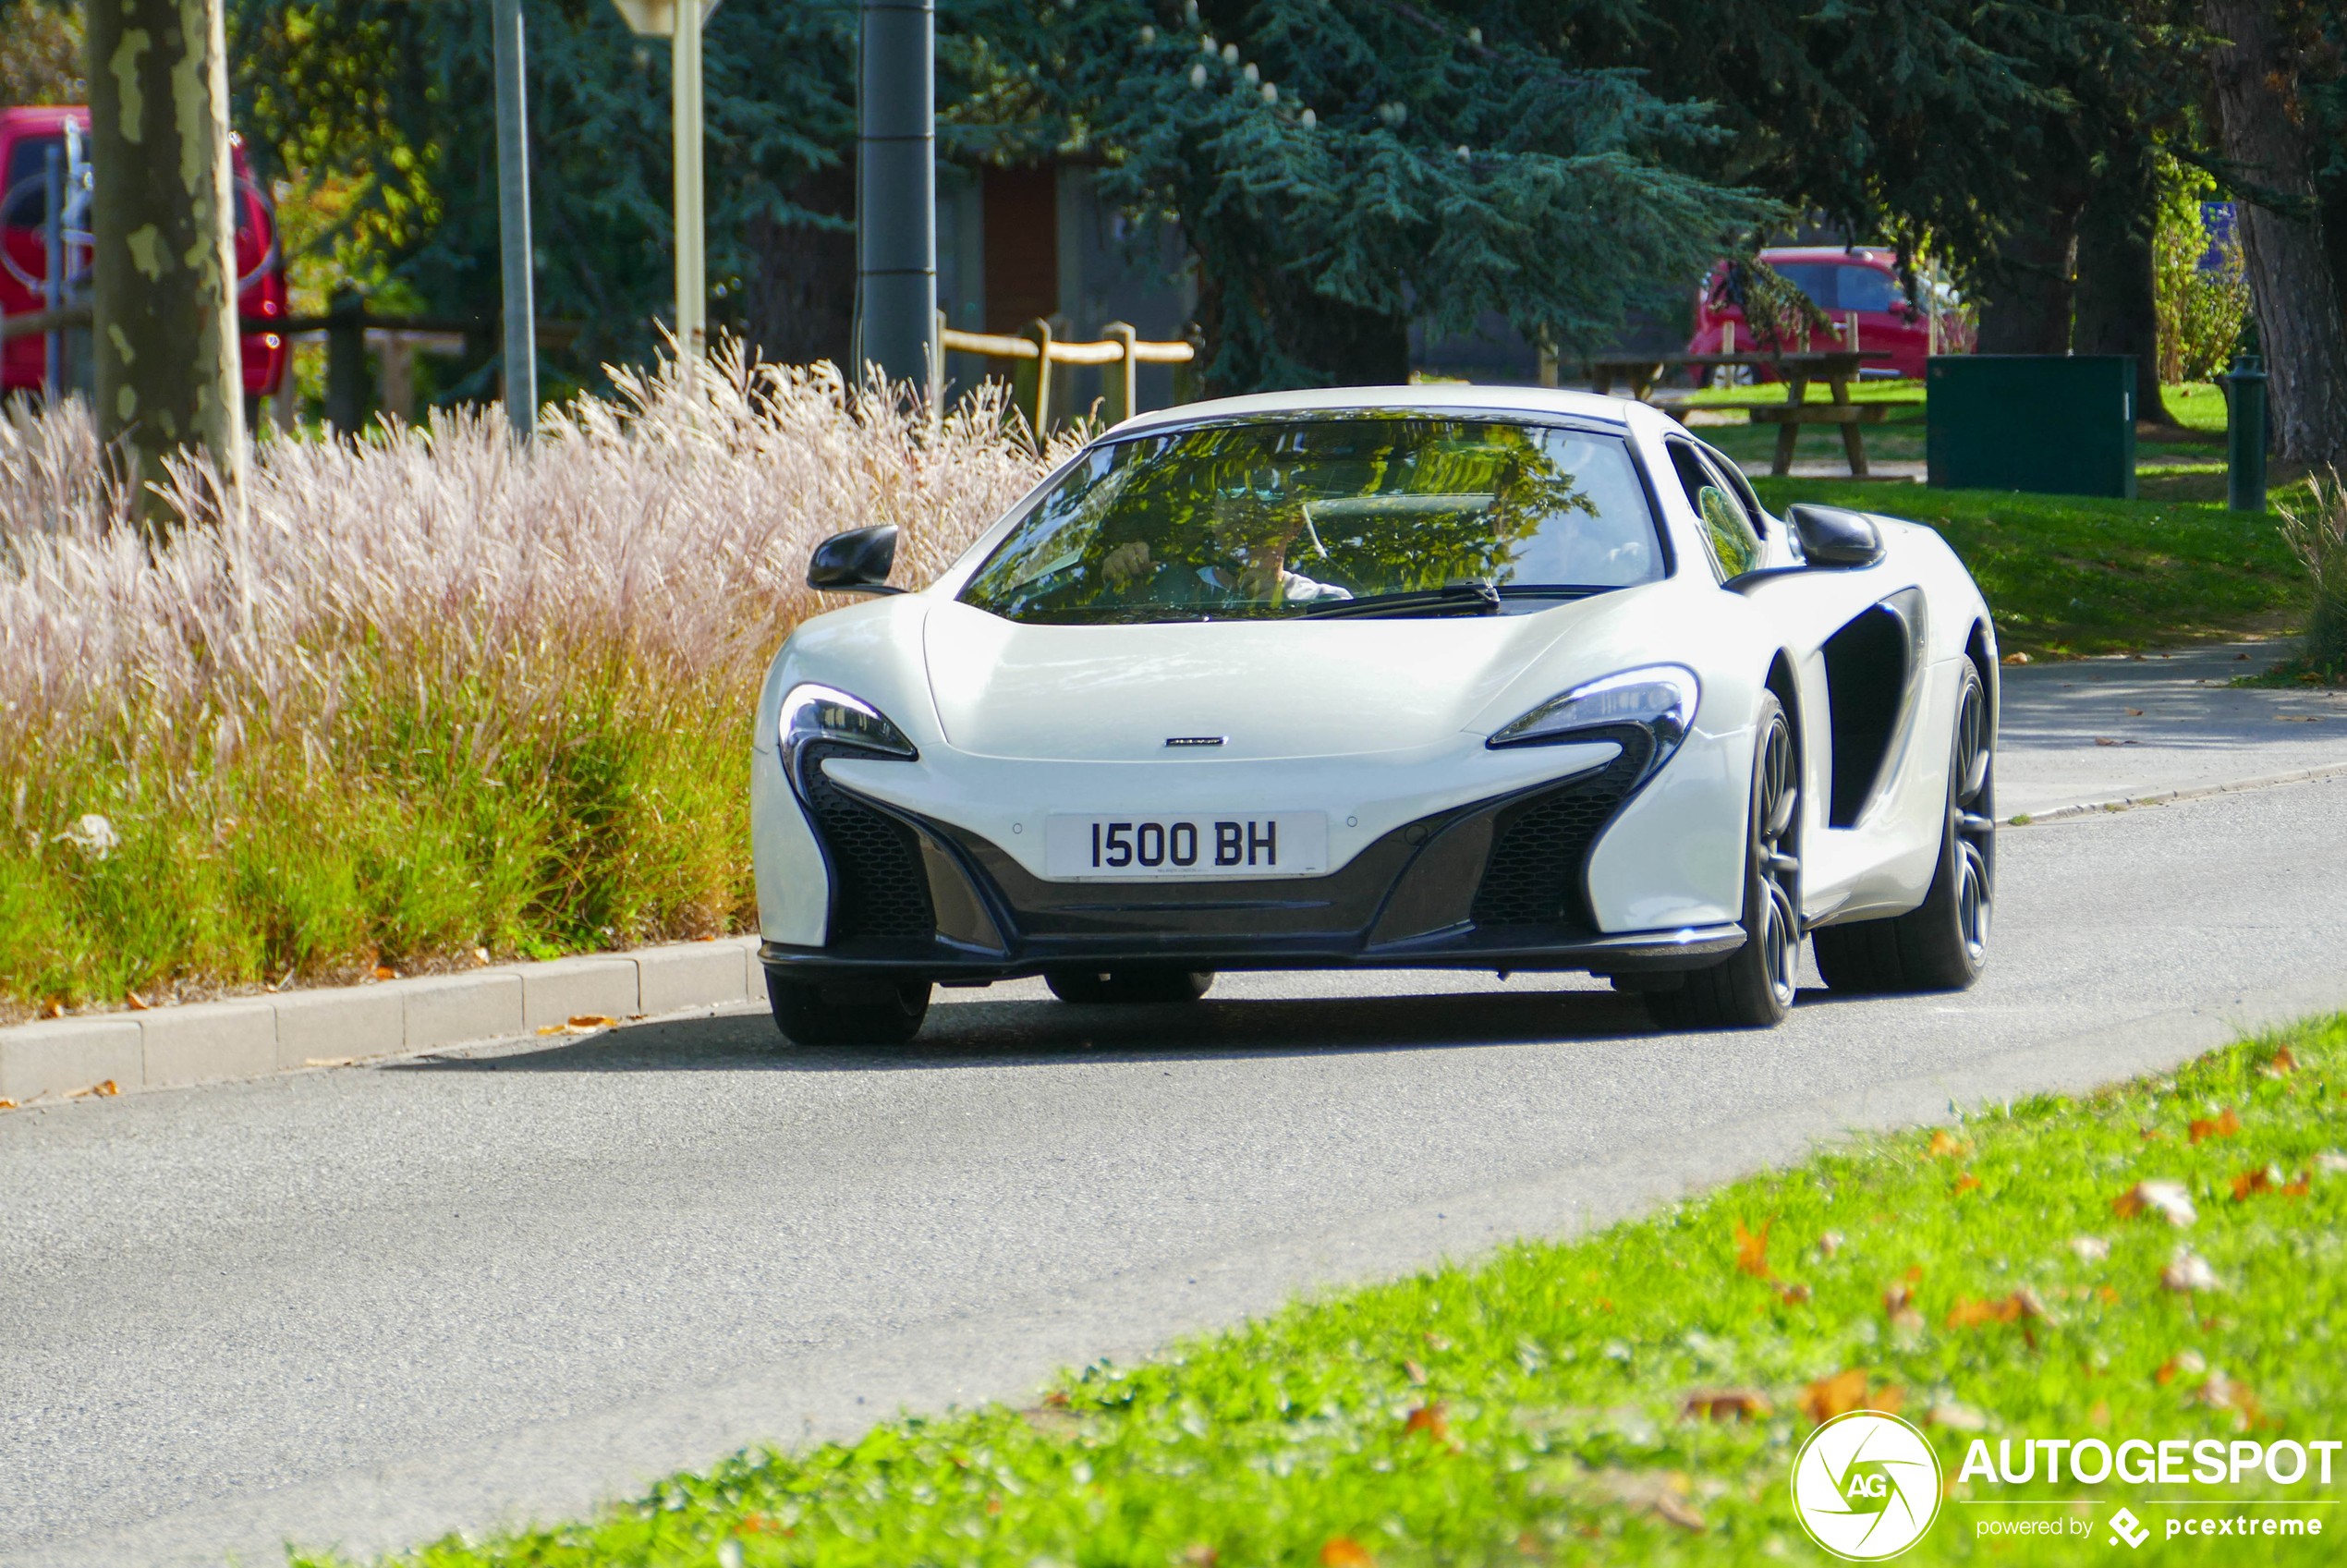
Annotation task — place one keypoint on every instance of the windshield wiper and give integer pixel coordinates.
(1472, 597)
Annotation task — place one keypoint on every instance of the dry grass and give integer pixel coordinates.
(427, 696)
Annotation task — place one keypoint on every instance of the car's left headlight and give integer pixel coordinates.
(1660, 699)
(811, 712)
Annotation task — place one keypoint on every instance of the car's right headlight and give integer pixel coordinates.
(811, 712)
(1660, 699)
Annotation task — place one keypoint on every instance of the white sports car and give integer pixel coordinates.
(1429, 676)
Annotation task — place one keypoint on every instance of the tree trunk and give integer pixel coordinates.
(800, 305)
(162, 220)
(2117, 304)
(1268, 333)
(2026, 304)
(2261, 130)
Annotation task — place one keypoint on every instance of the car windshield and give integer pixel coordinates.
(1377, 514)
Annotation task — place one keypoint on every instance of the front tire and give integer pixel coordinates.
(1133, 985)
(1943, 943)
(875, 1012)
(1754, 987)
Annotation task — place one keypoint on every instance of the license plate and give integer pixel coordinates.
(1137, 847)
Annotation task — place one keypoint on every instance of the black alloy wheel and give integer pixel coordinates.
(1943, 944)
(860, 1012)
(1754, 987)
(1131, 984)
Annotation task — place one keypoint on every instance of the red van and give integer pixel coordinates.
(1863, 283)
(26, 136)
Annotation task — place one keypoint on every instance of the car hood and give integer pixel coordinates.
(1271, 689)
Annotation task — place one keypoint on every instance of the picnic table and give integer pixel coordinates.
(1836, 367)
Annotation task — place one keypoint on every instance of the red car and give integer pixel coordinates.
(1861, 284)
(26, 136)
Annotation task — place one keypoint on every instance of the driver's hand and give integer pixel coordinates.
(1128, 562)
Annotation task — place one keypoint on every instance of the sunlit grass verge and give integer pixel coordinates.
(2073, 574)
(425, 700)
(1638, 1396)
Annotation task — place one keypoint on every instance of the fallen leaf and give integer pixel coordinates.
(1960, 1417)
(2168, 1199)
(2223, 1126)
(1718, 1405)
(2090, 1250)
(1197, 1554)
(993, 1505)
(102, 1089)
(2105, 740)
(1046, 1422)
(386, 972)
(2240, 657)
(328, 1061)
(1791, 1291)
(2024, 658)
(1829, 1243)
(1436, 1342)
(2187, 1270)
(1942, 1144)
(55, 1010)
(138, 1003)
(2330, 1162)
(1966, 1183)
(1751, 1251)
(1343, 1552)
(2134, 712)
(1836, 1395)
(481, 956)
(1433, 1419)
(1056, 1399)
(2184, 1363)
(1413, 1372)
(2023, 1303)
(2099, 1417)
(590, 1021)
(2283, 1062)
(1662, 1493)
(7, 1105)
(2220, 1392)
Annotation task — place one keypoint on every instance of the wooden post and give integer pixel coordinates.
(1031, 380)
(1122, 383)
(346, 388)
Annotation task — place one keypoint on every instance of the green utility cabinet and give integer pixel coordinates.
(2059, 424)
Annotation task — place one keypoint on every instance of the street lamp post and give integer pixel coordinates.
(513, 222)
(681, 25)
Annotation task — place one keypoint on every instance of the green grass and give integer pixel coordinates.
(406, 835)
(1532, 1409)
(2071, 575)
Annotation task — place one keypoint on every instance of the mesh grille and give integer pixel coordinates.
(882, 891)
(1533, 877)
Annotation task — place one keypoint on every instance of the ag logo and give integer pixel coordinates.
(1865, 1486)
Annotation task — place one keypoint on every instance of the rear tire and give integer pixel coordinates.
(1754, 987)
(875, 1012)
(1129, 984)
(1943, 943)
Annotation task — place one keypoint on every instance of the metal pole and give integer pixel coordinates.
(896, 192)
(513, 224)
(53, 276)
(692, 282)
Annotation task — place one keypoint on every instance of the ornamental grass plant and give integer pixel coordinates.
(427, 699)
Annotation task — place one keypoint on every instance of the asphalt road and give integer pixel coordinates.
(365, 1306)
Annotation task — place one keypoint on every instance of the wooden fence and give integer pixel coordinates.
(1034, 351)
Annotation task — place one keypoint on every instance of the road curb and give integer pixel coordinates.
(2165, 797)
(246, 1036)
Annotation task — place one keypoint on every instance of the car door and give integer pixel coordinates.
(1856, 638)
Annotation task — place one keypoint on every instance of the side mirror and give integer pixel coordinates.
(1834, 536)
(855, 562)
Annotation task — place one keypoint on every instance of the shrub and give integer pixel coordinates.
(428, 695)
(2315, 530)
